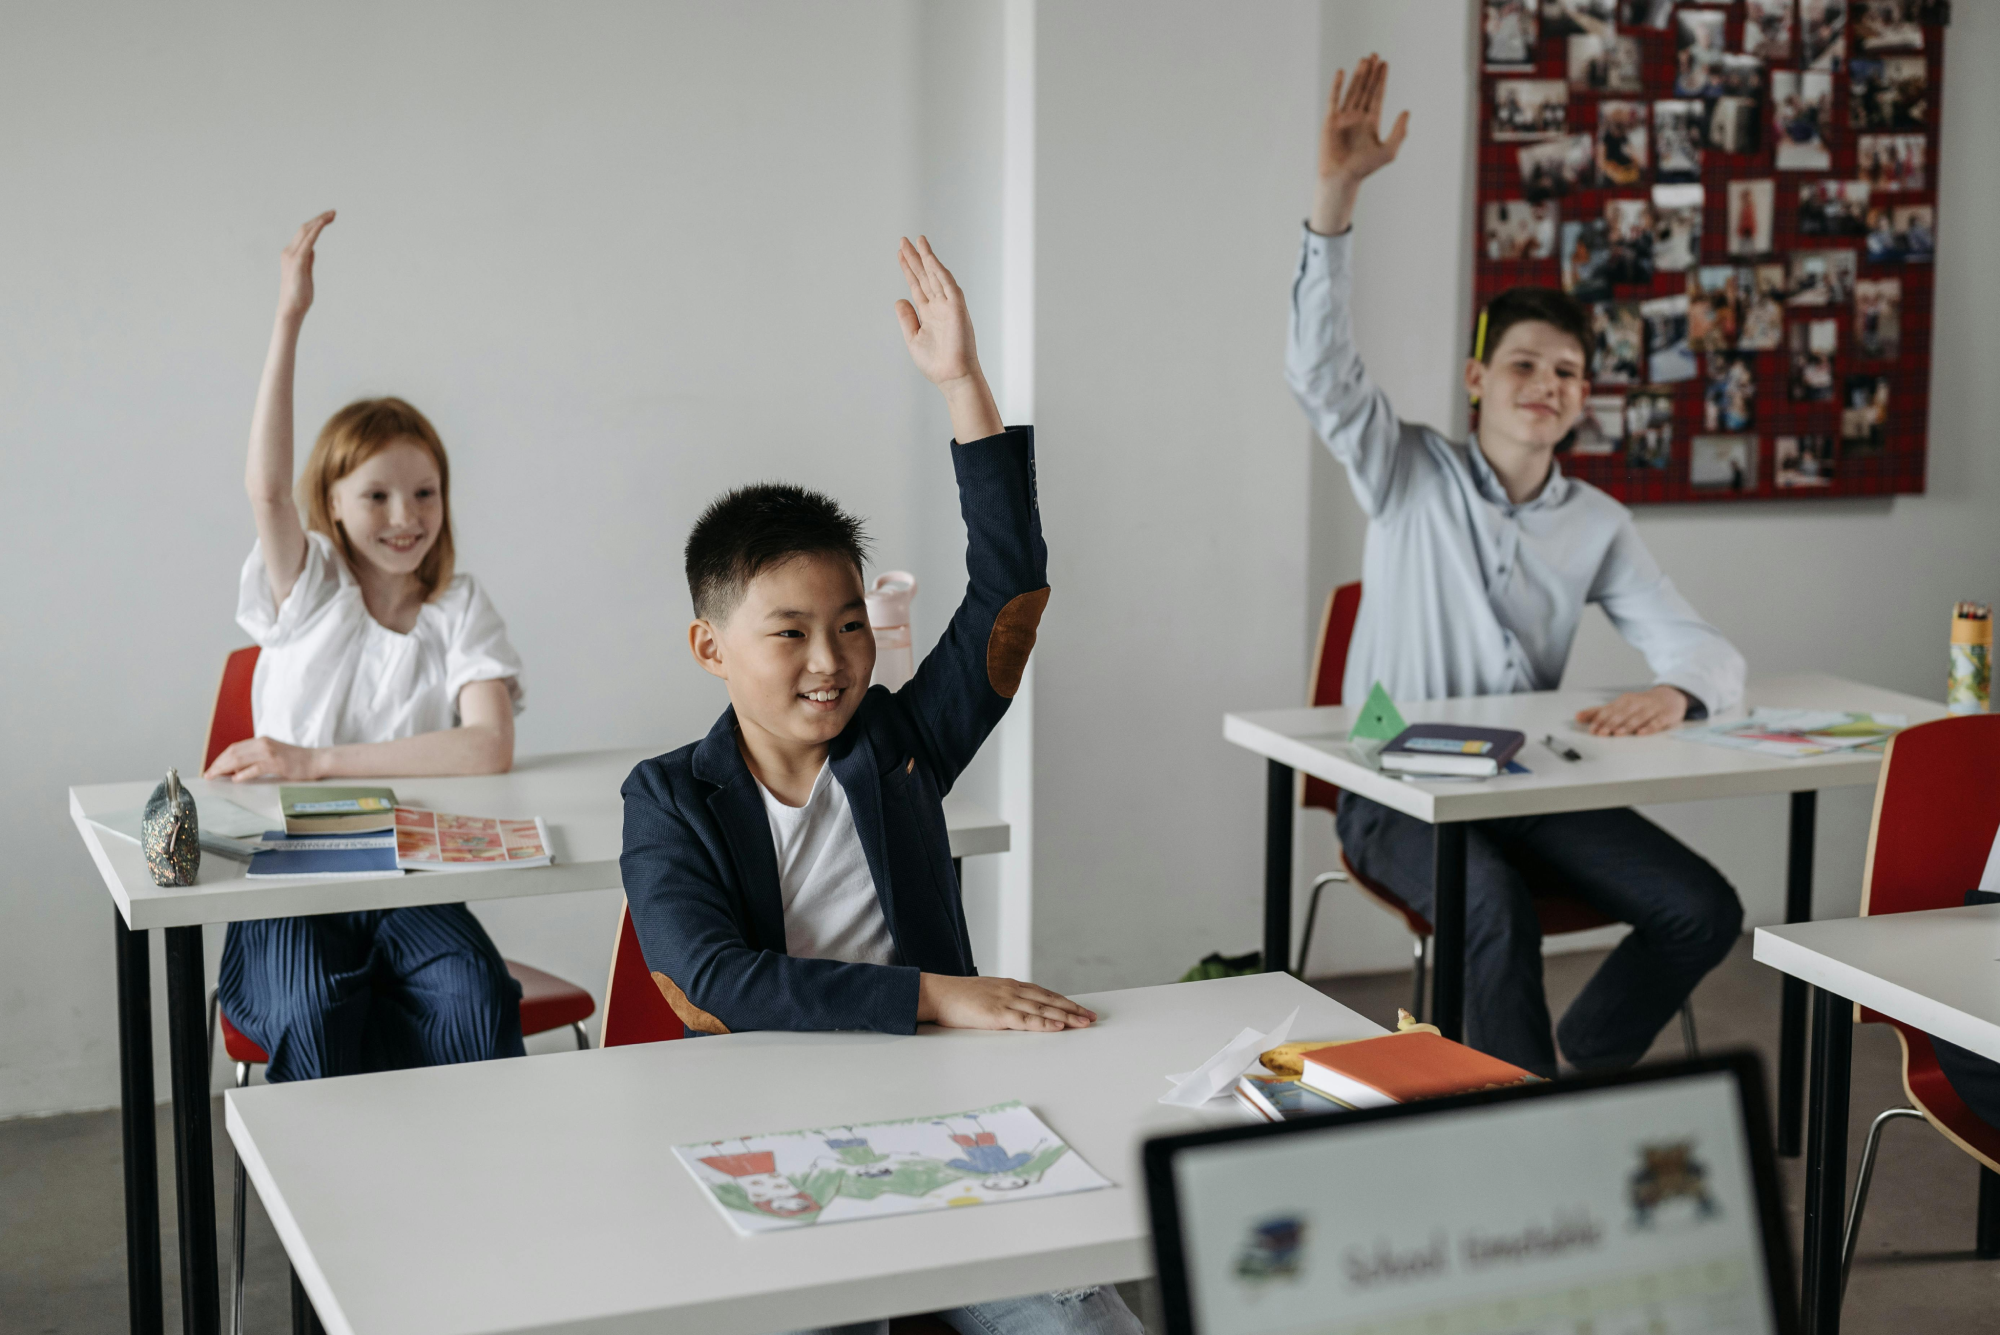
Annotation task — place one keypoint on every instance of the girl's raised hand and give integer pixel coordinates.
(936, 326)
(1350, 141)
(295, 269)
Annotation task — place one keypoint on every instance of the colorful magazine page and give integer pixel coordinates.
(440, 841)
(1797, 733)
(798, 1178)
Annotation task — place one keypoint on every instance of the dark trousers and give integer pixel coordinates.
(1975, 1079)
(344, 993)
(1684, 917)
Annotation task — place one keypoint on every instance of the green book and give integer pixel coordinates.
(322, 810)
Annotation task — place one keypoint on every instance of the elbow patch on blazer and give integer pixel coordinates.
(1012, 640)
(693, 1016)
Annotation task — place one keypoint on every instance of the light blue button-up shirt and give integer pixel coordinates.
(1463, 591)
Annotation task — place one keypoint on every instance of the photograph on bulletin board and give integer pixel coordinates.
(1743, 197)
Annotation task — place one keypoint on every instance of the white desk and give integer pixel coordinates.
(1938, 971)
(576, 795)
(400, 1197)
(1615, 772)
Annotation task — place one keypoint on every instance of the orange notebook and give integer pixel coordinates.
(1401, 1068)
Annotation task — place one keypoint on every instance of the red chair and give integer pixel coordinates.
(547, 1002)
(1937, 807)
(1558, 914)
(634, 1009)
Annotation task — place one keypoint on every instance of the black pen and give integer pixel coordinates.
(1566, 752)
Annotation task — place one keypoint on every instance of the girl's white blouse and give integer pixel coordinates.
(330, 673)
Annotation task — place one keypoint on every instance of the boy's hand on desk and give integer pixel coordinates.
(995, 1003)
(1636, 713)
(262, 758)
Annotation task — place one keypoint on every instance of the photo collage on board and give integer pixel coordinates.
(1742, 195)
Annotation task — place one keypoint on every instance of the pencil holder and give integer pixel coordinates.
(169, 833)
(1969, 688)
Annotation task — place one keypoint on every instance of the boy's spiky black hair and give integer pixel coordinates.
(751, 529)
(1518, 305)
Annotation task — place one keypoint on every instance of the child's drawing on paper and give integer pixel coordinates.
(886, 1168)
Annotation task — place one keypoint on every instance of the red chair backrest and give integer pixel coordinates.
(231, 722)
(1937, 807)
(634, 1010)
(1336, 630)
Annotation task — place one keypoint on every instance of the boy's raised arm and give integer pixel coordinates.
(963, 686)
(1322, 364)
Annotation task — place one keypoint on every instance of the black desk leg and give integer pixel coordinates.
(305, 1321)
(1792, 1015)
(1826, 1162)
(1988, 1237)
(1448, 931)
(135, 1102)
(1278, 799)
(194, 1163)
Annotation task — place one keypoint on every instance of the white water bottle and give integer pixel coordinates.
(889, 615)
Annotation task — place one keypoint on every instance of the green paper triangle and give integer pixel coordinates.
(1378, 720)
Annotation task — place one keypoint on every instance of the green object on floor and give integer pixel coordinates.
(1219, 965)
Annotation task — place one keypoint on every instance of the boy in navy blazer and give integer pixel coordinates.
(791, 870)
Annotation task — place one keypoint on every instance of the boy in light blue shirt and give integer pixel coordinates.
(1479, 560)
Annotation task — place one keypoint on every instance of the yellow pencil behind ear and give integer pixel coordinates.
(1479, 346)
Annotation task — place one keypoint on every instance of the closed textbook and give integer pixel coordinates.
(1401, 1068)
(319, 809)
(1451, 748)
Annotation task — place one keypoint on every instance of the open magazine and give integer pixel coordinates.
(440, 841)
(1794, 734)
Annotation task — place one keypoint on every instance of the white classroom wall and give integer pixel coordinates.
(625, 255)
(629, 254)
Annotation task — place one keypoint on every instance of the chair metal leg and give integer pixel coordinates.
(1423, 953)
(582, 1039)
(236, 1224)
(1988, 1241)
(1687, 1029)
(1320, 883)
(1874, 1143)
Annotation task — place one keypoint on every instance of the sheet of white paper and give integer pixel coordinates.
(1219, 1072)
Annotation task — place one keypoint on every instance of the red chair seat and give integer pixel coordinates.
(1925, 1082)
(548, 1002)
(239, 1048)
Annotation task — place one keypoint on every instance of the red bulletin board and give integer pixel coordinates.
(1845, 422)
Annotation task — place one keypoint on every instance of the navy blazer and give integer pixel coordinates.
(701, 872)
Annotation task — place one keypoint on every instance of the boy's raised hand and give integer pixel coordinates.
(1351, 146)
(996, 1003)
(937, 330)
(295, 268)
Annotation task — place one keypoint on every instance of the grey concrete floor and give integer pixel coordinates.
(62, 1249)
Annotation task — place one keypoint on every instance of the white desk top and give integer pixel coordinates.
(575, 794)
(1938, 971)
(542, 1194)
(1615, 771)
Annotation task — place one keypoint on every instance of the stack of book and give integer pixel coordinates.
(1374, 1073)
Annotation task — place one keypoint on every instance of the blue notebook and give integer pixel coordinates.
(345, 856)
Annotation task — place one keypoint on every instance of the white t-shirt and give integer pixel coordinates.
(831, 912)
(331, 674)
